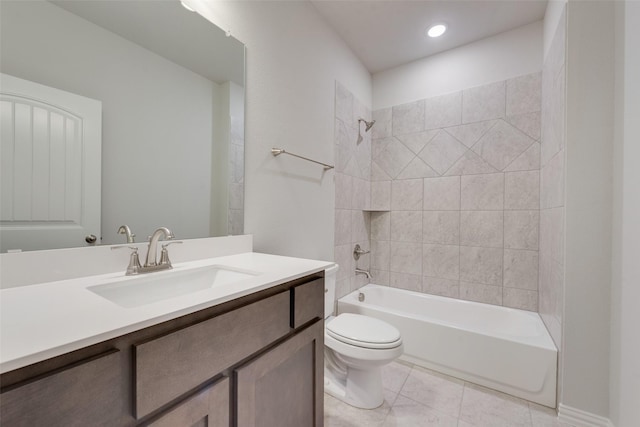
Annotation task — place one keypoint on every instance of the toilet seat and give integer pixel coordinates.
(363, 331)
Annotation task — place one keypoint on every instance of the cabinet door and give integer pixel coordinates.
(284, 387)
(85, 394)
(208, 408)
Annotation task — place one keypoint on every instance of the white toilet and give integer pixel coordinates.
(356, 347)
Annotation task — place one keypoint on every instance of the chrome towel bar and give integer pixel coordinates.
(278, 151)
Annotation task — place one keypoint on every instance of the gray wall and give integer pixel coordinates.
(289, 203)
(588, 206)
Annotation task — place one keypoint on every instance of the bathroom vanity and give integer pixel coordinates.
(252, 357)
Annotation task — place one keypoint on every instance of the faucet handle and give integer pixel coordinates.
(357, 251)
(134, 260)
(164, 254)
(164, 245)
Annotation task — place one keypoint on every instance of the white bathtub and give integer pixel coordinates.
(502, 348)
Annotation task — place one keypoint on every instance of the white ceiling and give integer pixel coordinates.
(385, 34)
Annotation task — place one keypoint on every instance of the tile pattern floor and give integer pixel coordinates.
(417, 397)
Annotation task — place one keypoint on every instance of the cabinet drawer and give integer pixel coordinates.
(85, 394)
(208, 408)
(169, 366)
(308, 302)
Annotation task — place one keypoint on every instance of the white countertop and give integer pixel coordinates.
(41, 321)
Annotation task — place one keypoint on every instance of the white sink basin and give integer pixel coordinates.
(148, 288)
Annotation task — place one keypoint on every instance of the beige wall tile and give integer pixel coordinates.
(441, 261)
(411, 282)
(481, 265)
(344, 104)
(522, 190)
(382, 128)
(523, 94)
(381, 195)
(408, 118)
(502, 144)
(394, 158)
(521, 269)
(380, 255)
(482, 228)
(344, 191)
(471, 133)
(441, 193)
(441, 227)
(483, 192)
(483, 103)
(443, 111)
(406, 226)
(406, 194)
(405, 257)
(520, 298)
(481, 293)
(380, 225)
(417, 141)
(443, 287)
(360, 226)
(342, 227)
(529, 123)
(470, 164)
(529, 160)
(521, 229)
(442, 152)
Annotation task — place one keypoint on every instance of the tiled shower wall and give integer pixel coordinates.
(353, 189)
(455, 194)
(552, 184)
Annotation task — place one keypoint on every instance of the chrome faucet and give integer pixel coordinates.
(365, 272)
(151, 264)
(153, 243)
(124, 229)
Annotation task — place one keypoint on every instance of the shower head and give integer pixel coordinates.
(368, 125)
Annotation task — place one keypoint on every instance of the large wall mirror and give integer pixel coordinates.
(168, 86)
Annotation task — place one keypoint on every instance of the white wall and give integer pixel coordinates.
(588, 206)
(44, 43)
(625, 345)
(500, 57)
(293, 60)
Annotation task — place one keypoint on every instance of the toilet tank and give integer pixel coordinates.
(330, 289)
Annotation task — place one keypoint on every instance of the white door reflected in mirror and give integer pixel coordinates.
(51, 166)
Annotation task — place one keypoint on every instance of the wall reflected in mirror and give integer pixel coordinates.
(171, 86)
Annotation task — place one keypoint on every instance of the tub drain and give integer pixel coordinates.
(360, 297)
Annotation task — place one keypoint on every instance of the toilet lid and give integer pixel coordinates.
(363, 331)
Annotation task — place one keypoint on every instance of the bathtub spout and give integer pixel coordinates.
(365, 272)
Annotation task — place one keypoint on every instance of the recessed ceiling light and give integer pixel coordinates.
(436, 30)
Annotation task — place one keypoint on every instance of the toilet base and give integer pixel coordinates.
(360, 388)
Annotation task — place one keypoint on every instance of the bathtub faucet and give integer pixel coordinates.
(365, 272)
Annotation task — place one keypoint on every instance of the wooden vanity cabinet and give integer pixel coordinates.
(253, 361)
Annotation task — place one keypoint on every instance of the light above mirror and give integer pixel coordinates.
(171, 86)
